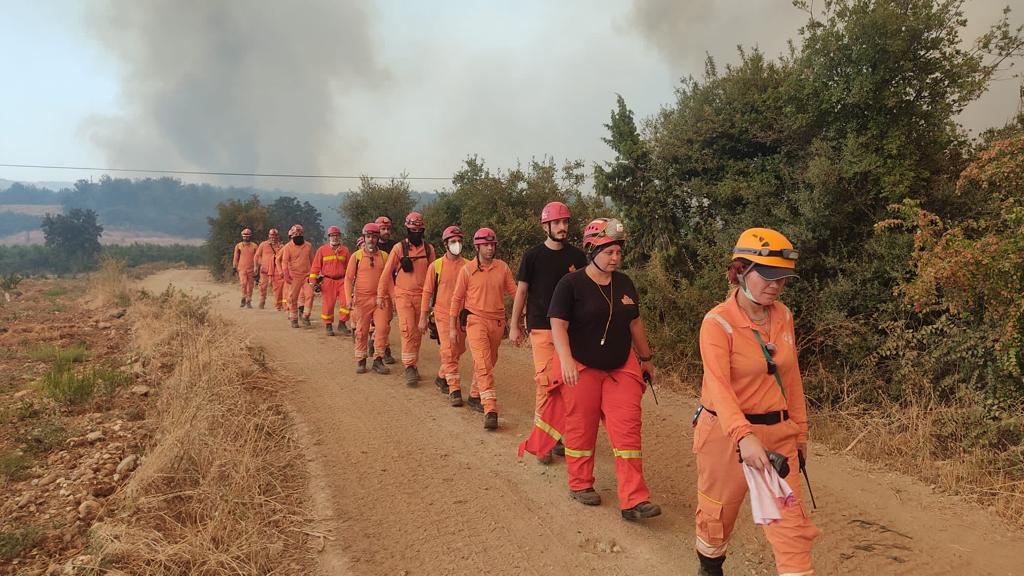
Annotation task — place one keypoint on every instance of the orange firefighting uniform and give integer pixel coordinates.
(445, 271)
(407, 289)
(572, 414)
(736, 382)
(270, 273)
(295, 264)
(362, 277)
(480, 290)
(244, 260)
(331, 263)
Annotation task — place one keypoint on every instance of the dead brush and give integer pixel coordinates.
(956, 447)
(222, 489)
(109, 284)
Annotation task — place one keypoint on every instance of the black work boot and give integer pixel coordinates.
(559, 449)
(302, 310)
(641, 511)
(587, 496)
(295, 322)
(343, 329)
(242, 305)
(441, 384)
(248, 303)
(361, 366)
(455, 398)
(491, 421)
(369, 349)
(388, 358)
(475, 404)
(330, 329)
(412, 376)
(379, 367)
(306, 322)
(710, 566)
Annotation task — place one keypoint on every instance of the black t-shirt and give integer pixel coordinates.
(386, 245)
(584, 304)
(542, 268)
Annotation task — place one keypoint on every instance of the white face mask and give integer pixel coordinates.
(455, 248)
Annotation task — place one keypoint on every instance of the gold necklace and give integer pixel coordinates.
(608, 299)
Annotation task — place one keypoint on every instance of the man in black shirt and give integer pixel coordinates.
(539, 272)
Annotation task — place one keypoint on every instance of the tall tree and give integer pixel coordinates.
(225, 231)
(286, 211)
(74, 239)
(392, 199)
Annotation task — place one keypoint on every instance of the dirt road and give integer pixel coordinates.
(408, 485)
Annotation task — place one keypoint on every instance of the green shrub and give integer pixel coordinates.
(14, 542)
(13, 466)
(42, 437)
(51, 353)
(63, 384)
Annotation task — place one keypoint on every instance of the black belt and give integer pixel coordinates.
(769, 419)
(334, 277)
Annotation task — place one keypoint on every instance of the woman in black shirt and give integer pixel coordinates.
(596, 328)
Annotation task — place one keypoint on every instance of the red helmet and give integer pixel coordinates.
(451, 232)
(334, 230)
(485, 236)
(414, 221)
(371, 228)
(296, 230)
(246, 232)
(273, 233)
(382, 221)
(603, 231)
(554, 211)
(360, 241)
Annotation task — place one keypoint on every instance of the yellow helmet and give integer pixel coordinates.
(765, 247)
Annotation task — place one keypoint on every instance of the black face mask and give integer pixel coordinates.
(298, 240)
(415, 237)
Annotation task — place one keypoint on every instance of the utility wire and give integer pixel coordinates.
(211, 173)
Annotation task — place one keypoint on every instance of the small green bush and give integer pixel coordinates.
(70, 388)
(51, 353)
(43, 437)
(13, 543)
(13, 466)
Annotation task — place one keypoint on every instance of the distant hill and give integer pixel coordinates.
(146, 207)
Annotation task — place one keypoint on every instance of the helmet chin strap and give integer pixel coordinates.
(552, 238)
(743, 286)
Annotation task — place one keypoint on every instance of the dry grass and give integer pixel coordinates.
(964, 449)
(222, 490)
(109, 284)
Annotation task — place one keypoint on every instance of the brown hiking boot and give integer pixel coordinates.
(263, 304)
(455, 398)
(545, 459)
(379, 367)
(242, 305)
(641, 511)
(491, 421)
(412, 376)
(587, 496)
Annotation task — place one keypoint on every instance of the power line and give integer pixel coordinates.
(212, 173)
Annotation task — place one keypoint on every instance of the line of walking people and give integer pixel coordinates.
(592, 361)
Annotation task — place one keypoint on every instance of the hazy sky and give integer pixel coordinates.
(360, 87)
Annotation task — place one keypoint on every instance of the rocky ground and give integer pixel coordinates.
(73, 402)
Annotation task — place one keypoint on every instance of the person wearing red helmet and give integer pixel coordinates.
(328, 274)
(404, 272)
(602, 359)
(437, 296)
(270, 275)
(479, 293)
(296, 260)
(243, 263)
(361, 279)
(539, 272)
(385, 244)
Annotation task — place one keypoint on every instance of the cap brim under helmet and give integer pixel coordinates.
(774, 272)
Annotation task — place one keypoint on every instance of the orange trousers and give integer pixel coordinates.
(409, 326)
(331, 291)
(613, 396)
(451, 353)
(300, 293)
(721, 488)
(266, 281)
(365, 314)
(246, 279)
(543, 349)
(483, 337)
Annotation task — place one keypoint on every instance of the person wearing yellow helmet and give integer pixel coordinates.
(752, 404)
